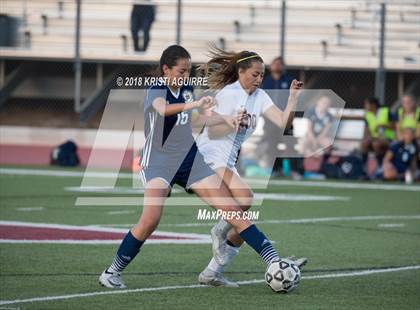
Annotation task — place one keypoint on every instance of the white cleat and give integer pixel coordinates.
(300, 262)
(220, 253)
(209, 277)
(111, 280)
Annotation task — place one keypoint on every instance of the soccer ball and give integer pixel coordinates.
(282, 276)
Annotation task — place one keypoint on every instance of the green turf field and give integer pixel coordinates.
(355, 245)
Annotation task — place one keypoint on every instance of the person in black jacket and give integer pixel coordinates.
(142, 17)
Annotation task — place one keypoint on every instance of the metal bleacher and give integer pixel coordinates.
(318, 33)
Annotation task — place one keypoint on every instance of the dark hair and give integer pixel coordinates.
(171, 55)
(279, 58)
(373, 100)
(223, 67)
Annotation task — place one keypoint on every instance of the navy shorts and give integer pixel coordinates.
(192, 170)
(400, 166)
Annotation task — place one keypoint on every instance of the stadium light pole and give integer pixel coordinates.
(380, 72)
(178, 22)
(77, 62)
(282, 28)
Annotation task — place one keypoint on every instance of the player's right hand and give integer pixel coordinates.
(231, 121)
(241, 115)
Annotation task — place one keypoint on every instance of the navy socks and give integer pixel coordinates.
(128, 249)
(260, 243)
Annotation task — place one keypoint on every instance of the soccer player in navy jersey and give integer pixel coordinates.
(170, 156)
(320, 121)
(400, 161)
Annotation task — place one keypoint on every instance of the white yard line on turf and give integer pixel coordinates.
(257, 196)
(137, 201)
(298, 197)
(391, 225)
(107, 242)
(30, 209)
(112, 190)
(307, 220)
(341, 184)
(296, 221)
(266, 196)
(120, 212)
(63, 173)
(165, 288)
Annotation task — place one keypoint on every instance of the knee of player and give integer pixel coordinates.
(233, 208)
(389, 176)
(246, 200)
(389, 172)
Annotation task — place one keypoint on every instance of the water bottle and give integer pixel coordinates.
(408, 177)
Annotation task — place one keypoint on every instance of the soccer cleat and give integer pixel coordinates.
(209, 277)
(300, 262)
(220, 253)
(111, 280)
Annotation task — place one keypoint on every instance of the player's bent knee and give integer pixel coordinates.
(246, 201)
(389, 172)
(233, 208)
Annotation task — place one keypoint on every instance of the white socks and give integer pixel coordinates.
(231, 253)
(224, 227)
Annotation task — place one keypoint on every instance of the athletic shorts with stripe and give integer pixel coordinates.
(171, 170)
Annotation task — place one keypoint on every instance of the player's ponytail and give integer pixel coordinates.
(223, 67)
(171, 55)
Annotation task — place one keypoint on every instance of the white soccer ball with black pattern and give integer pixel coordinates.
(282, 276)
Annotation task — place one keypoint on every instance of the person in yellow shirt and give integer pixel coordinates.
(408, 116)
(379, 130)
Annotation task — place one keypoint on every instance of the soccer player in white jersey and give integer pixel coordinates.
(238, 77)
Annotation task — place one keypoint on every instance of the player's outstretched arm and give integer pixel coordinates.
(231, 125)
(159, 104)
(212, 119)
(283, 119)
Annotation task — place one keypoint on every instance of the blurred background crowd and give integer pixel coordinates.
(60, 60)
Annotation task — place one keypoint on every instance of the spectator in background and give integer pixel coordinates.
(320, 123)
(400, 161)
(142, 17)
(379, 130)
(408, 116)
(276, 80)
